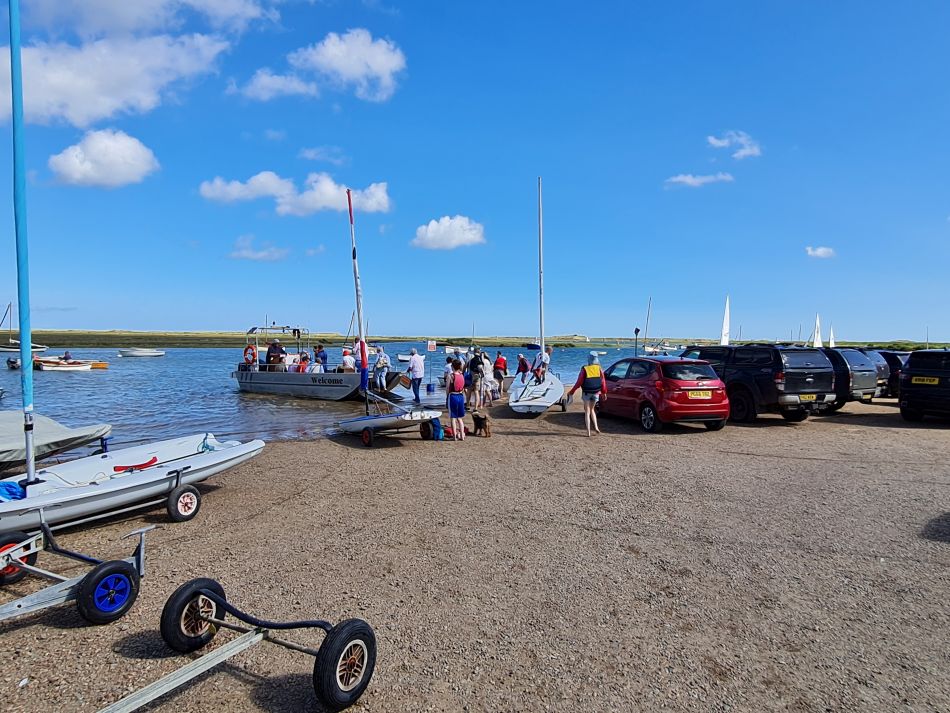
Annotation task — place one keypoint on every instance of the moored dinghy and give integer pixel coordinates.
(141, 352)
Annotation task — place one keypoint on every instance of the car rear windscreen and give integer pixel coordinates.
(929, 361)
(689, 372)
(857, 360)
(876, 358)
(805, 359)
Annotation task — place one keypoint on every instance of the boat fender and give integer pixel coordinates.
(250, 354)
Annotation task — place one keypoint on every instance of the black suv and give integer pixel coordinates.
(792, 381)
(855, 376)
(896, 361)
(925, 384)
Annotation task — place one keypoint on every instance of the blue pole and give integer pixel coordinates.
(22, 250)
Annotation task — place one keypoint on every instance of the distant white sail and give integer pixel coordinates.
(831, 336)
(817, 343)
(724, 339)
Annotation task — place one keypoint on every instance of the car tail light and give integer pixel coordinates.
(780, 381)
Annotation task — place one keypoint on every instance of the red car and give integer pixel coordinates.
(658, 390)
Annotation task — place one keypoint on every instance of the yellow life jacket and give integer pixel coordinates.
(593, 379)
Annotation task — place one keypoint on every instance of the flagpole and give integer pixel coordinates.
(364, 357)
(22, 250)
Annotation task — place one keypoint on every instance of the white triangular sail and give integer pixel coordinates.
(724, 338)
(831, 336)
(817, 340)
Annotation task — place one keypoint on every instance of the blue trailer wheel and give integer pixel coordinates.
(107, 592)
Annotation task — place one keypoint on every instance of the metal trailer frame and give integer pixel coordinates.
(190, 604)
(368, 433)
(65, 589)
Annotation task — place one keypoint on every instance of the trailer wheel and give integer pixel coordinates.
(366, 436)
(183, 503)
(11, 573)
(425, 430)
(107, 592)
(184, 625)
(344, 664)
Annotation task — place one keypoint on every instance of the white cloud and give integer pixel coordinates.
(745, 145)
(99, 80)
(319, 250)
(265, 85)
(330, 154)
(354, 59)
(275, 134)
(819, 252)
(449, 233)
(320, 192)
(107, 158)
(96, 18)
(693, 181)
(244, 250)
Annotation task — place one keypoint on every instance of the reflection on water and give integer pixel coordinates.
(191, 391)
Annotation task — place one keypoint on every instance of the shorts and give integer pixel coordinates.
(499, 375)
(595, 397)
(457, 405)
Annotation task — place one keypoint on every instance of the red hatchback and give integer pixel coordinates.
(658, 390)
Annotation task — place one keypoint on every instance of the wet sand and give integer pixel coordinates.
(780, 566)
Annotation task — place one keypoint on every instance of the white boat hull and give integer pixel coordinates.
(389, 421)
(141, 353)
(63, 366)
(87, 487)
(530, 398)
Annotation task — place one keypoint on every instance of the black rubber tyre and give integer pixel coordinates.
(715, 425)
(181, 625)
(11, 573)
(183, 503)
(649, 419)
(107, 592)
(833, 407)
(425, 430)
(366, 437)
(742, 406)
(344, 664)
(796, 416)
(912, 415)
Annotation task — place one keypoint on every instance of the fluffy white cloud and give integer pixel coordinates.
(102, 79)
(244, 250)
(449, 233)
(353, 59)
(106, 158)
(94, 18)
(744, 144)
(330, 154)
(693, 181)
(320, 192)
(265, 85)
(819, 252)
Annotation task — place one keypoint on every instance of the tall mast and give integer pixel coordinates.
(646, 327)
(364, 366)
(540, 265)
(22, 251)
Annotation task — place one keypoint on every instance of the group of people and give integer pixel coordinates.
(277, 359)
(483, 378)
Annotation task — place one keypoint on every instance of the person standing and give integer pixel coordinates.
(381, 368)
(476, 368)
(416, 371)
(321, 355)
(447, 371)
(593, 388)
(455, 388)
(500, 370)
(275, 355)
(541, 364)
(524, 368)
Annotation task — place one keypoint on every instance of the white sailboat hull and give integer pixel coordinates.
(136, 352)
(528, 397)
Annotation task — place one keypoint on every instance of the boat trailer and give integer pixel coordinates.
(196, 611)
(103, 594)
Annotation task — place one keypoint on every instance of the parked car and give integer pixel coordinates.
(925, 384)
(855, 377)
(788, 380)
(883, 369)
(658, 390)
(896, 361)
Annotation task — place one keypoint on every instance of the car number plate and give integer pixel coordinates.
(931, 380)
(807, 397)
(700, 394)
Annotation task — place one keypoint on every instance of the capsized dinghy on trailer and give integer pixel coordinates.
(103, 484)
(49, 437)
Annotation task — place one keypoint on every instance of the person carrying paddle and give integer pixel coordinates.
(593, 386)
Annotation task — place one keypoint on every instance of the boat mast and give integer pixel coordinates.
(22, 251)
(540, 266)
(364, 366)
(646, 327)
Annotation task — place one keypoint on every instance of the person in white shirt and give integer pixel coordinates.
(541, 364)
(416, 371)
(349, 361)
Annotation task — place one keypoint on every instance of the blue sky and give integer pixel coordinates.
(688, 150)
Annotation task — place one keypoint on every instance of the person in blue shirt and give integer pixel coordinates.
(321, 355)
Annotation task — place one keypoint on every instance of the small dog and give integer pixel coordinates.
(482, 424)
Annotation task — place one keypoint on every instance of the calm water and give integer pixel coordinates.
(191, 391)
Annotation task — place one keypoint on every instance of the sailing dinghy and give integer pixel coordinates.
(49, 437)
(104, 484)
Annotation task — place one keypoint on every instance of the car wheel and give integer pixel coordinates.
(912, 415)
(742, 406)
(832, 407)
(795, 416)
(649, 419)
(715, 425)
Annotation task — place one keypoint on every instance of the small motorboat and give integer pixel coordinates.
(102, 484)
(49, 437)
(141, 352)
(13, 363)
(59, 365)
(532, 346)
(404, 358)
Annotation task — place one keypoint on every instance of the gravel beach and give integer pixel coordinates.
(778, 566)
